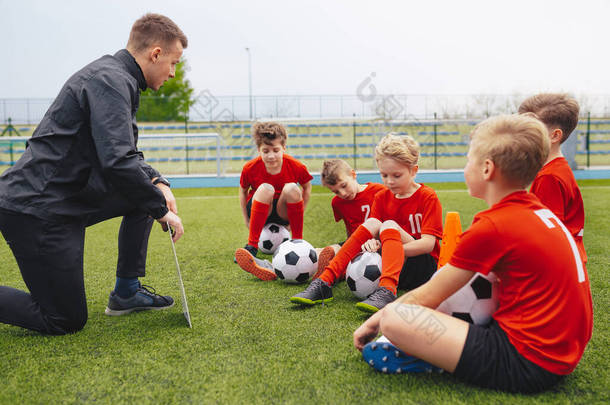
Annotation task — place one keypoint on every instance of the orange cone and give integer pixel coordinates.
(451, 236)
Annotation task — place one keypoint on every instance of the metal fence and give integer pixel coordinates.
(209, 107)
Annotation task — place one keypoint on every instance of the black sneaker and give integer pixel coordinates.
(318, 292)
(377, 300)
(144, 298)
(251, 249)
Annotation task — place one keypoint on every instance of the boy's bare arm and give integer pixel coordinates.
(421, 246)
(447, 281)
(243, 195)
(306, 193)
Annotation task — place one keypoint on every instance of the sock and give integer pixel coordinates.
(126, 287)
(392, 259)
(258, 217)
(295, 218)
(352, 246)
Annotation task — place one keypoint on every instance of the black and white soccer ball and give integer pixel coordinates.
(295, 261)
(272, 237)
(475, 302)
(363, 274)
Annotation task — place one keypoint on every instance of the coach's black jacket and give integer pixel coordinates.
(84, 149)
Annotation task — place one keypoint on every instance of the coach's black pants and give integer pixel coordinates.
(50, 257)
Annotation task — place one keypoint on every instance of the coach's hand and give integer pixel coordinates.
(175, 222)
(169, 197)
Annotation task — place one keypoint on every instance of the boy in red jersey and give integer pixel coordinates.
(268, 192)
(555, 185)
(407, 218)
(545, 316)
(352, 202)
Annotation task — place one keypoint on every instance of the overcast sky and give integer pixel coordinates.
(325, 46)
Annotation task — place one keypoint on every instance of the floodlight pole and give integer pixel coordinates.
(250, 79)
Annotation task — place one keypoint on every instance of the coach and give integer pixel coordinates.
(80, 167)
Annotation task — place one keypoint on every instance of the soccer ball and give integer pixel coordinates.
(271, 237)
(363, 273)
(295, 261)
(475, 302)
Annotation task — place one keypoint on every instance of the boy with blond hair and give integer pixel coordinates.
(269, 192)
(406, 217)
(545, 316)
(352, 202)
(555, 185)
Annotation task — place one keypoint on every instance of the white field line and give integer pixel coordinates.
(213, 197)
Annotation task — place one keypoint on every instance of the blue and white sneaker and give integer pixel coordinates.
(383, 356)
(145, 298)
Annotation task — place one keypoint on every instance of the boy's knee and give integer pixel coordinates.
(395, 321)
(373, 225)
(264, 191)
(389, 224)
(292, 192)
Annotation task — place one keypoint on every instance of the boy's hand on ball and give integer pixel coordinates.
(371, 245)
(175, 222)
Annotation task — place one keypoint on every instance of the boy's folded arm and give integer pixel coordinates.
(420, 246)
(243, 202)
(447, 281)
(306, 193)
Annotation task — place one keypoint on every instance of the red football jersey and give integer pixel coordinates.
(254, 174)
(419, 214)
(545, 304)
(355, 212)
(556, 187)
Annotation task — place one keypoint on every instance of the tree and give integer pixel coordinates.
(171, 102)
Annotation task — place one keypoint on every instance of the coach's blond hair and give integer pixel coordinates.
(402, 148)
(333, 169)
(555, 110)
(517, 144)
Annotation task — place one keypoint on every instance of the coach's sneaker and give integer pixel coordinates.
(253, 251)
(144, 298)
(318, 292)
(383, 356)
(259, 268)
(325, 256)
(377, 300)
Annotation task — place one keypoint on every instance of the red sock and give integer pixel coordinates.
(352, 246)
(392, 259)
(258, 217)
(295, 218)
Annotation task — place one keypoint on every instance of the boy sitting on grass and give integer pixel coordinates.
(545, 316)
(555, 185)
(406, 217)
(352, 202)
(268, 192)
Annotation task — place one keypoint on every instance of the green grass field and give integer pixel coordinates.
(249, 344)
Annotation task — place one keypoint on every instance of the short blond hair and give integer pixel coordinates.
(402, 148)
(517, 144)
(554, 110)
(154, 29)
(332, 171)
(267, 132)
